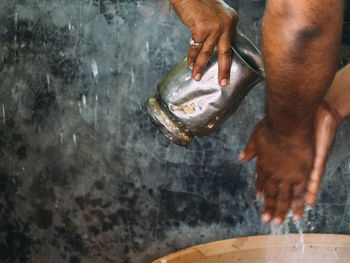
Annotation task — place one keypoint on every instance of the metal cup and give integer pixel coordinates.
(184, 108)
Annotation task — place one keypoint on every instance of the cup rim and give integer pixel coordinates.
(260, 70)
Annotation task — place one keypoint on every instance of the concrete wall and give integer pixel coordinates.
(85, 176)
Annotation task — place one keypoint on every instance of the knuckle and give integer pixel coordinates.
(234, 16)
(231, 18)
(228, 21)
(283, 199)
(225, 52)
(311, 192)
(269, 208)
(190, 61)
(198, 67)
(210, 47)
(200, 31)
(216, 28)
(202, 28)
(297, 207)
(207, 53)
(191, 56)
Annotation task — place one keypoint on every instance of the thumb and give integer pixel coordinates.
(316, 177)
(313, 186)
(249, 152)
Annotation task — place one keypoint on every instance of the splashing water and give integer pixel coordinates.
(301, 239)
(298, 245)
(132, 76)
(48, 81)
(94, 68)
(16, 22)
(70, 26)
(96, 105)
(4, 114)
(84, 100)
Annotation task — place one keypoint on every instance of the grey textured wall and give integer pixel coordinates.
(84, 175)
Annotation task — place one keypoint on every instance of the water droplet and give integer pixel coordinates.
(84, 100)
(4, 114)
(48, 81)
(94, 68)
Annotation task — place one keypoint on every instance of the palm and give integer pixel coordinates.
(283, 168)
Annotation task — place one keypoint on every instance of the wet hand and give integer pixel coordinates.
(283, 168)
(212, 23)
(326, 125)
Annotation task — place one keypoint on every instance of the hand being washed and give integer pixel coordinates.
(329, 116)
(212, 23)
(283, 168)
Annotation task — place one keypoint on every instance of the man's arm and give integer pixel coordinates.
(301, 42)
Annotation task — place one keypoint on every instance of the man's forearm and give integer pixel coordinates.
(301, 43)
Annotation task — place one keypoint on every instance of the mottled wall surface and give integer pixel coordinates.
(84, 175)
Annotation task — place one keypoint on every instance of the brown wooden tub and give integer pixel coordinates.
(294, 248)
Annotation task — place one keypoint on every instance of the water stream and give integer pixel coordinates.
(294, 245)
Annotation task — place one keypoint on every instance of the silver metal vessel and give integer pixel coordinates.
(184, 108)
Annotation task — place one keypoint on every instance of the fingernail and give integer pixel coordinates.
(297, 217)
(258, 195)
(266, 218)
(278, 221)
(197, 77)
(241, 156)
(224, 82)
(190, 66)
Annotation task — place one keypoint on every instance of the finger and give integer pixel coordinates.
(192, 54)
(313, 186)
(298, 200)
(204, 56)
(270, 194)
(249, 151)
(316, 175)
(224, 59)
(282, 203)
(193, 50)
(259, 185)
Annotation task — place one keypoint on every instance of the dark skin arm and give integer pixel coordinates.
(301, 43)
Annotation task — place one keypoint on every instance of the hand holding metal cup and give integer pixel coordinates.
(183, 107)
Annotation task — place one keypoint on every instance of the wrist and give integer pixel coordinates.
(284, 131)
(337, 103)
(337, 114)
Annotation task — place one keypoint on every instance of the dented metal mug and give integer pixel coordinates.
(184, 108)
